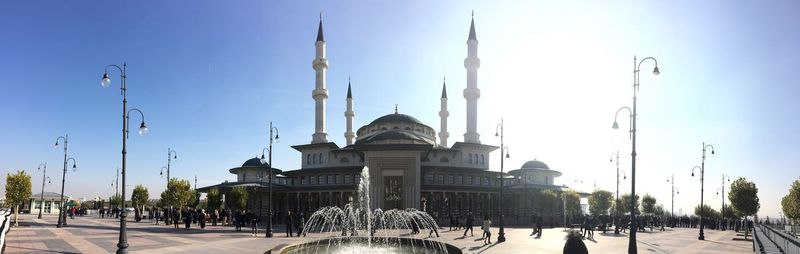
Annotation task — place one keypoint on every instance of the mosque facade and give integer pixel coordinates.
(410, 164)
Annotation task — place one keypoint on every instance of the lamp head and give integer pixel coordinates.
(143, 129)
(106, 81)
(277, 137)
(655, 71)
(262, 157)
(508, 156)
(56, 145)
(496, 134)
(74, 167)
(712, 151)
(693, 173)
(615, 125)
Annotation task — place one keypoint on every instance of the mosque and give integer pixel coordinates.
(408, 166)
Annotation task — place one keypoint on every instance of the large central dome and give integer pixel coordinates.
(396, 129)
(396, 118)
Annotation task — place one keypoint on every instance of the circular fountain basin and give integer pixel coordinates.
(362, 245)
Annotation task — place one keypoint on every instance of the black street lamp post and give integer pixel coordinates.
(501, 235)
(724, 177)
(171, 154)
(42, 166)
(269, 213)
(122, 246)
(636, 67)
(671, 180)
(62, 213)
(616, 205)
(702, 175)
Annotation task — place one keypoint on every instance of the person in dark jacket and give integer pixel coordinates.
(468, 225)
(574, 244)
(289, 221)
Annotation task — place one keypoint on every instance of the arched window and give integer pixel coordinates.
(308, 159)
(395, 128)
(320, 158)
(444, 160)
(344, 160)
(470, 159)
(408, 128)
(482, 159)
(314, 160)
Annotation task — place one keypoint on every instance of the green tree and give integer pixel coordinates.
(18, 190)
(115, 200)
(139, 196)
(790, 204)
(573, 203)
(744, 198)
(659, 210)
(214, 199)
(178, 193)
(625, 202)
(600, 202)
(648, 204)
(239, 197)
(546, 202)
(708, 212)
(729, 212)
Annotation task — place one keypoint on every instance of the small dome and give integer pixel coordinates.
(535, 164)
(254, 162)
(396, 118)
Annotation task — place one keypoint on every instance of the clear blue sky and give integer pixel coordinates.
(210, 75)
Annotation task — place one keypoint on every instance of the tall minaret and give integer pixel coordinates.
(349, 114)
(320, 94)
(472, 93)
(443, 114)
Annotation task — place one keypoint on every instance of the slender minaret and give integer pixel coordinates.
(320, 94)
(349, 114)
(472, 93)
(443, 114)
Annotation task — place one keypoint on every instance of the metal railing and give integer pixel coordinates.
(787, 243)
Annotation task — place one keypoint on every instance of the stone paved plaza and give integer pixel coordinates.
(94, 235)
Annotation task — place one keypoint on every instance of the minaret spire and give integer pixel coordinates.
(471, 28)
(443, 114)
(472, 93)
(349, 115)
(319, 31)
(320, 92)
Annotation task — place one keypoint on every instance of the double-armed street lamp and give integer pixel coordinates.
(702, 174)
(62, 214)
(636, 67)
(122, 246)
(42, 166)
(269, 164)
(171, 155)
(616, 205)
(501, 235)
(671, 180)
(724, 177)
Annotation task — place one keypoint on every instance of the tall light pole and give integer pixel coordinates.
(616, 205)
(724, 177)
(171, 154)
(62, 216)
(636, 67)
(702, 175)
(122, 246)
(42, 166)
(269, 213)
(671, 180)
(501, 236)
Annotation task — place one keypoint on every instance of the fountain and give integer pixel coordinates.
(358, 229)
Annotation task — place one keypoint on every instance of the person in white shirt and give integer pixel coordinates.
(487, 224)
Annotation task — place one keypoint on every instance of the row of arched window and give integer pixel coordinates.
(312, 159)
(475, 159)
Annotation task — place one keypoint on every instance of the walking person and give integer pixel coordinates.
(538, 226)
(301, 222)
(202, 218)
(175, 217)
(486, 230)
(468, 225)
(288, 220)
(253, 223)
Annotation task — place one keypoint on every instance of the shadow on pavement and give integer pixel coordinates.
(39, 250)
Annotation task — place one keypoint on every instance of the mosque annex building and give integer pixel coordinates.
(408, 168)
